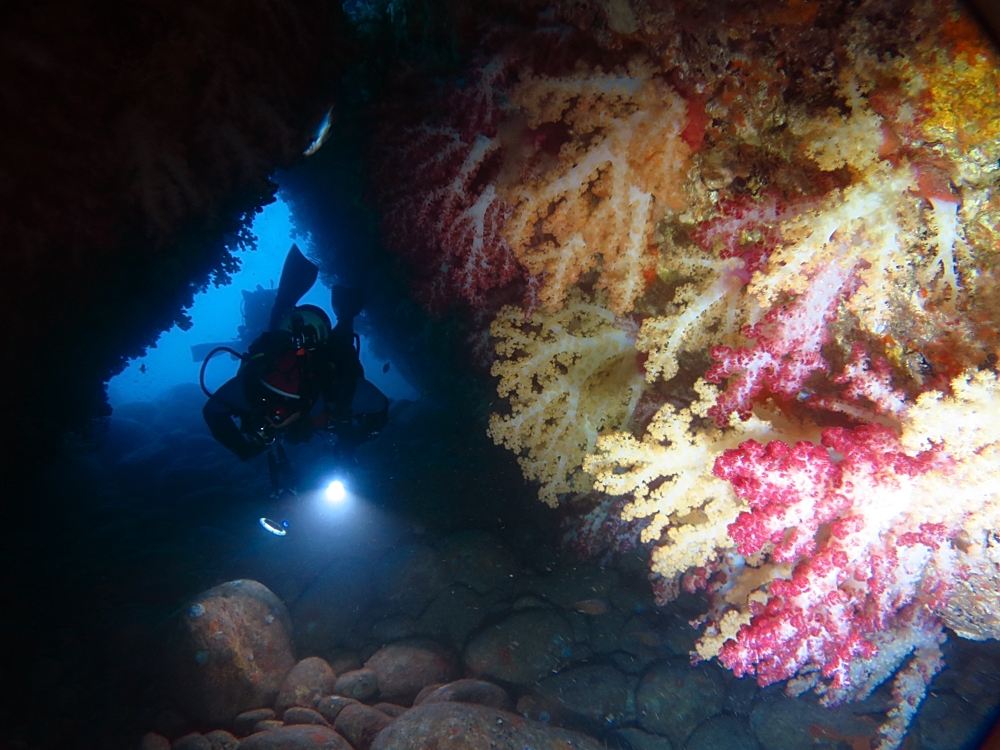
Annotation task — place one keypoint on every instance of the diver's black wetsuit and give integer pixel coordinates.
(333, 393)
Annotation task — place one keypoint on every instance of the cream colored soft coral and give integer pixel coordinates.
(689, 507)
(568, 375)
(595, 208)
(704, 312)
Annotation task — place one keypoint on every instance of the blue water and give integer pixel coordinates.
(216, 314)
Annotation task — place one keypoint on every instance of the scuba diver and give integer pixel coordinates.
(298, 377)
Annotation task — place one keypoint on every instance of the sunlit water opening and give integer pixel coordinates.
(216, 316)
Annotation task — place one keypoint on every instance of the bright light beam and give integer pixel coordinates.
(335, 492)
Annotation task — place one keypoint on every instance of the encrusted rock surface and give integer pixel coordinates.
(466, 727)
(231, 651)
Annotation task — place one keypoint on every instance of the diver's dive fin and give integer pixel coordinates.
(297, 277)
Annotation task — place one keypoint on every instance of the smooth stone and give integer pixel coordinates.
(478, 692)
(171, 723)
(637, 739)
(479, 560)
(521, 649)
(230, 652)
(722, 731)
(300, 715)
(946, 722)
(222, 740)
(425, 691)
(390, 709)
(568, 585)
(154, 741)
(267, 724)
(361, 724)
(299, 737)
(193, 741)
(343, 660)
(783, 723)
(454, 614)
(740, 693)
(409, 577)
(598, 693)
(330, 706)
(244, 723)
(394, 628)
(405, 667)
(359, 684)
(440, 724)
(673, 698)
(544, 710)
(330, 606)
(310, 679)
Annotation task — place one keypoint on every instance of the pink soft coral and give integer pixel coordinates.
(442, 212)
(837, 512)
(788, 346)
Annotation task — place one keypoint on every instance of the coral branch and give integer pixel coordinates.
(568, 375)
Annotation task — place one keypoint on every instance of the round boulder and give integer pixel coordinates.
(521, 649)
(409, 577)
(359, 684)
(479, 560)
(297, 737)
(230, 651)
(308, 681)
(441, 724)
(673, 698)
(361, 724)
(596, 692)
(466, 691)
(406, 667)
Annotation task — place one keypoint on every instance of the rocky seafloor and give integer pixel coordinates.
(147, 608)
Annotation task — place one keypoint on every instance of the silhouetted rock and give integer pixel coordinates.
(222, 740)
(231, 651)
(154, 741)
(405, 667)
(193, 741)
(244, 723)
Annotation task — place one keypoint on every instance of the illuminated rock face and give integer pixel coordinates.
(232, 651)
(786, 220)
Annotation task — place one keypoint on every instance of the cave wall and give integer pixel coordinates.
(136, 140)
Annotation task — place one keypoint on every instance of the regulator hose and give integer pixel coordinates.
(216, 350)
